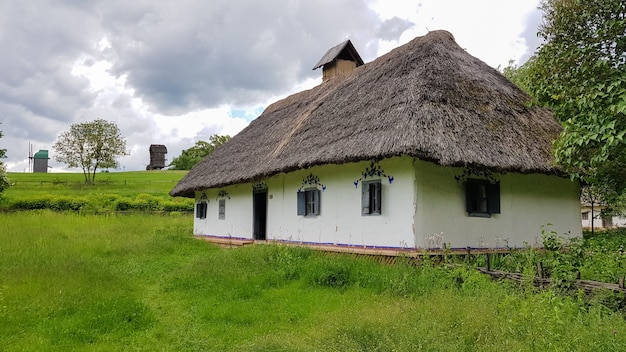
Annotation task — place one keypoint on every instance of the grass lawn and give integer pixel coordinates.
(142, 282)
(115, 191)
(121, 183)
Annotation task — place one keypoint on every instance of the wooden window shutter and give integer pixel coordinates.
(378, 207)
(317, 197)
(493, 198)
(301, 203)
(201, 209)
(222, 209)
(470, 196)
(365, 198)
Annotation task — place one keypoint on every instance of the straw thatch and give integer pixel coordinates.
(427, 99)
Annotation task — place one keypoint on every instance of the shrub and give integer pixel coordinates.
(123, 205)
(177, 206)
(146, 202)
(67, 203)
(34, 203)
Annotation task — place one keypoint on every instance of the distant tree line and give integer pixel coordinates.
(190, 157)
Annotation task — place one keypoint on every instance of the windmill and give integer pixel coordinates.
(30, 157)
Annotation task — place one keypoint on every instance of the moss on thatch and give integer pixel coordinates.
(427, 99)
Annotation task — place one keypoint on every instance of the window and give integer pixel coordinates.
(309, 202)
(482, 198)
(201, 208)
(371, 197)
(585, 215)
(222, 209)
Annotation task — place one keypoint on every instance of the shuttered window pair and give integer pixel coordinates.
(309, 202)
(371, 198)
(482, 198)
(201, 209)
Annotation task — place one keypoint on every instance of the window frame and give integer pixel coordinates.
(202, 207)
(482, 198)
(309, 202)
(371, 197)
(221, 212)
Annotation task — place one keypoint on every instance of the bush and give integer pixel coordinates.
(177, 206)
(35, 203)
(123, 205)
(146, 202)
(67, 203)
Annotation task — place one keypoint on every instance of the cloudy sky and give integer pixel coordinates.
(175, 72)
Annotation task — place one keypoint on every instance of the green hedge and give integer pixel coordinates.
(102, 203)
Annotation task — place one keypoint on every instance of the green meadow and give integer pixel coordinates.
(111, 281)
(112, 192)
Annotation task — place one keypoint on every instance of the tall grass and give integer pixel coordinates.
(141, 282)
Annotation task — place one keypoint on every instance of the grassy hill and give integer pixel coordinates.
(119, 191)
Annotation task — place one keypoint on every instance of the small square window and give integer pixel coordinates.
(222, 209)
(201, 209)
(482, 198)
(585, 215)
(371, 197)
(309, 202)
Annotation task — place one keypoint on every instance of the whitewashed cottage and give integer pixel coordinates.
(423, 146)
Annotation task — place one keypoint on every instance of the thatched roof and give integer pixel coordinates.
(427, 99)
(345, 51)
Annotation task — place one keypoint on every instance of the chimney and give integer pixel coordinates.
(339, 60)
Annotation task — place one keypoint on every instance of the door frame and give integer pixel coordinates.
(259, 214)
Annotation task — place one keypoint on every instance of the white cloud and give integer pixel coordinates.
(491, 30)
(174, 74)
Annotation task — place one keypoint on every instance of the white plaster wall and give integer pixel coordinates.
(340, 221)
(423, 200)
(619, 221)
(598, 223)
(527, 203)
(238, 215)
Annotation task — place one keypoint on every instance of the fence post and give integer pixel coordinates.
(621, 282)
(488, 261)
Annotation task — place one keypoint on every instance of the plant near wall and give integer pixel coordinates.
(4, 181)
(580, 73)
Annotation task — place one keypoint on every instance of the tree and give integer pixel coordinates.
(190, 157)
(580, 73)
(4, 181)
(90, 146)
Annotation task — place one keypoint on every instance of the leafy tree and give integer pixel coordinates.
(4, 181)
(580, 73)
(190, 157)
(90, 146)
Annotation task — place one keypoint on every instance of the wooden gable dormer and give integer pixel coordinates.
(338, 60)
